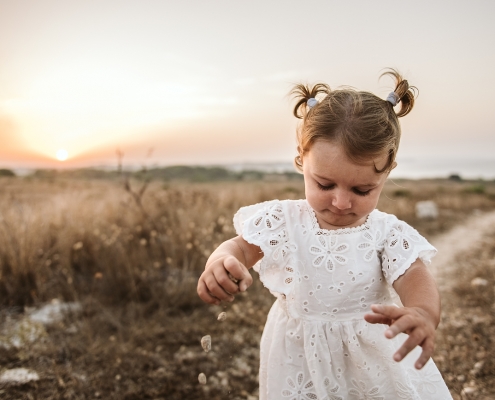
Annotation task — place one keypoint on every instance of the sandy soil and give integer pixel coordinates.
(465, 341)
(130, 353)
(457, 241)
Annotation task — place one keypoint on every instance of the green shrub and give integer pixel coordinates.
(6, 172)
(476, 189)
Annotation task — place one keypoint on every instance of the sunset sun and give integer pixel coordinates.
(62, 155)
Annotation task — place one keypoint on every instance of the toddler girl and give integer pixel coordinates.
(332, 257)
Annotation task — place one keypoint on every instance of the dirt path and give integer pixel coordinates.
(455, 242)
(464, 338)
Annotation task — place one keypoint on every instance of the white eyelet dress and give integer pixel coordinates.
(316, 343)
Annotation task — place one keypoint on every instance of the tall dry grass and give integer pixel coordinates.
(71, 239)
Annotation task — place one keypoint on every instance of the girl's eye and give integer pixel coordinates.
(322, 187)
(361, 193)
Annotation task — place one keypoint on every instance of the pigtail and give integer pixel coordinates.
(403, 93)
(303, 93)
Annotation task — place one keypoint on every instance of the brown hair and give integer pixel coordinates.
(365, 125)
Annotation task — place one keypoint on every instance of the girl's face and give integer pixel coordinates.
(341, 192)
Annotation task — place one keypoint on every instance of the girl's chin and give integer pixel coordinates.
(330, 220)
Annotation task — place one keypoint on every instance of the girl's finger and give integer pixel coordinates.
(404, 324)
(391, 312)
(412, 341)
(239, 272)
(223, 279)
(216, 290)
(404, 350)
(205, 295)
(245, 282)
(428, 348)
(377, 319)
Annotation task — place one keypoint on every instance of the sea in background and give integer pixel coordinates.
(410, 168)
(415, 168)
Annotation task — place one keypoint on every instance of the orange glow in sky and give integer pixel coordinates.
(62, 155)
(210, 86)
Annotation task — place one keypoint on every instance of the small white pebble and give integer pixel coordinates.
(477, 368)
(18, 376)
(222, 316)
(469, 390)
(235, 280)
(476, 282)
(206, 343)
(202, 378)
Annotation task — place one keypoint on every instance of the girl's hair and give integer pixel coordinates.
(365, 125)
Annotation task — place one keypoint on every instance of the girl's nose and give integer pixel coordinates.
(341, 200)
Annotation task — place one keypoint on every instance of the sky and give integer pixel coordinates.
(207, 82)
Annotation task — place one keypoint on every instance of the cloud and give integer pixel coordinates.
(245, 81)
(283, 76)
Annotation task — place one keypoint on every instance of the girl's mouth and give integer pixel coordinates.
(340, 213)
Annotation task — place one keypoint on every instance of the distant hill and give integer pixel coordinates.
(6, 172)
(168, 174)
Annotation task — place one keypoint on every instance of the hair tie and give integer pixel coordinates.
(312, 102)
(393, 98)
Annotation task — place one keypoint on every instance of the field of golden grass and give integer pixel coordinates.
(131, 258)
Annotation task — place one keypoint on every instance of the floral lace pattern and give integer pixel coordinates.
(316, 344)
(328, 252)
(298, 389)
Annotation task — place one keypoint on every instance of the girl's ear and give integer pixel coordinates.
(391, 168)
(299, 162)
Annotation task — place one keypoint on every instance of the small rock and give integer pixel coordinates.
(202, 378)
(222, 316)
(469, 390)
(54, 312)
(240, 368)
(439, 358)
(184, 354)
(426, 210)
(477, 282)
(480, 355)
(19, 376)
(22, 333)
(206, 343)
(78, 246)
(235, 280)
(224, 378)
(71, 329)
(477, 368)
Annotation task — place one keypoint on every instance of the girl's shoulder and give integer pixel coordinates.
(268, 213)
(393, 227)
(384, 222)
(285, 206)
(378, 217)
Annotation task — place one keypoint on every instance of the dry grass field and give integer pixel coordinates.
(132, 259)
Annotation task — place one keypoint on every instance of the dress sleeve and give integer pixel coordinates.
(264, 225)
(403, 246)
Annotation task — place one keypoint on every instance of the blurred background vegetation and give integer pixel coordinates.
(129, 247)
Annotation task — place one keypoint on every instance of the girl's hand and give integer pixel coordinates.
(414, 321)
(215, 284)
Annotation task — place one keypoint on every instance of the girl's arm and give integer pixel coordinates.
(234, 257)
(418, 318)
